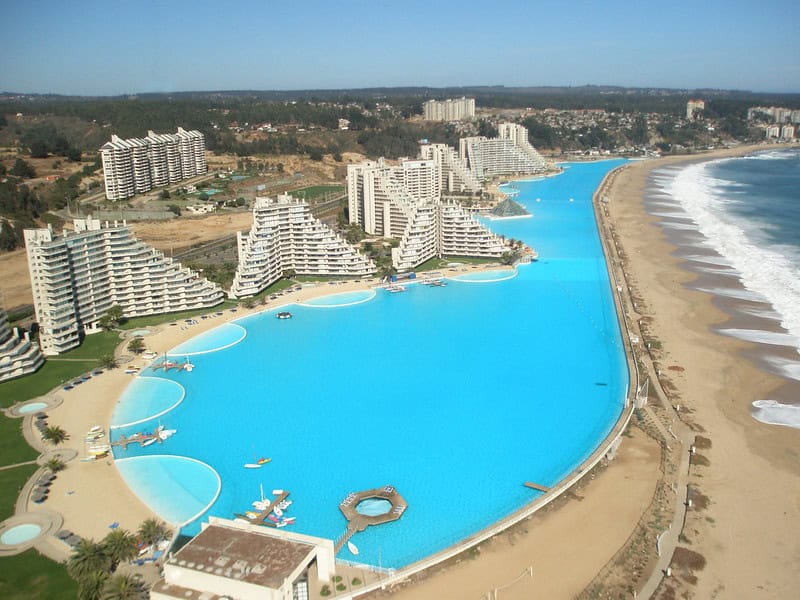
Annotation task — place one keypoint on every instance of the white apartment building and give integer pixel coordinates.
(458, 109)
(285, 235)
(134, 166)
(379, 201)
(454, 175)
(692, 106)
(78, 276)
(508, 154)
(787, 132)
(18, 354)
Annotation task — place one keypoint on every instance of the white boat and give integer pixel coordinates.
(150, 442)
(95, 429)
(353, 548)
(277, 492)
(261, 505)
(278, 512)
(165, 433)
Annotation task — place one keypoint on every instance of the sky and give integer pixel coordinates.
(134, 46)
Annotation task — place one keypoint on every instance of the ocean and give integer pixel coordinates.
(737, 223)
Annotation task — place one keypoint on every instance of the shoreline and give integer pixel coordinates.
(751, 468)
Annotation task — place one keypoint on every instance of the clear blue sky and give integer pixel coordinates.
(125, 46)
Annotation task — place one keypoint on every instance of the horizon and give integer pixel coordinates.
(183, 47)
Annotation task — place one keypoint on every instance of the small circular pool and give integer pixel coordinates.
(20, 534)
(31, 407)
(139, 333)
(372, 507)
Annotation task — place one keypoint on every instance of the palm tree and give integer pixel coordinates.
(88, 557)
(92, 585)
(54, 434)
(136, 345)
(123, 587)
(108, 361)
(55, 464)
(119, 546)
(153, 531)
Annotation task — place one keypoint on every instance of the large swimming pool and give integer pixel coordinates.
(454, 395)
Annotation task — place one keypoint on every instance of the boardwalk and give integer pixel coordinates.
(357, 521)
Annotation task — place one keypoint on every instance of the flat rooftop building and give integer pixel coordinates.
(233, 559)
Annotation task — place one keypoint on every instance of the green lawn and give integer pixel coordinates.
(313, 192)
(11, 481)
(153, 320)
(31, 576)
(13, 448)
(94, 346)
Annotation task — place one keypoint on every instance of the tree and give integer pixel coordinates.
(91, 586)
(175, 209)
(165, 194)
(55, 464)
(108, 362)
(87, 557)
(112, 318)
(22, 169)
(73, 154)
(54, 434)
(39, 149)
(289, 273)
(119, 545)
(152, 531)
(136, 345)
(202, 197)
(8, 237)
(124, 587)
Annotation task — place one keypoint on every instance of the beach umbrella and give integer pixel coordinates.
(64, 534)
(41, 415)
(39, 498)
(42, 481)
(40, 490)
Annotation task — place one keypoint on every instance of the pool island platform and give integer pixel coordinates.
(357, 521)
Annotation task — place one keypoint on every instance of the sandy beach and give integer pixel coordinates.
(748, 534)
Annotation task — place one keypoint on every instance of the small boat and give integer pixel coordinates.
(261, 504)
(353, 548)
(394, 288)
(278, 512)
(277, 492)
(273, 518)
(258, 464)
(165, 433)
(289, 520)
(96, 429)
(283, 315)
(251, 514)
(150, 442)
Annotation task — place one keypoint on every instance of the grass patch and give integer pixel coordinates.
(93, 347)
(153, 320)
(31, 576)
(11, 480)
(13, 447)
(313, 192)
(51, 375)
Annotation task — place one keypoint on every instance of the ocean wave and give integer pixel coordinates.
(710, 260)
(759, 336)
(773, 412)
(764, 270)
(783, 366)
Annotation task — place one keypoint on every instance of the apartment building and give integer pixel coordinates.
(508, 154)
(285, 235)
(134, 166)
(427, 227)
(76, 277)
(458, 109)
(454, 175)
(18, 354)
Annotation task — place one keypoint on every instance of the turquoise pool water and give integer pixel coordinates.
(483, 276)
(455, 395)
(224, 336)
(147, 398)
(31, 407)
(20, 534)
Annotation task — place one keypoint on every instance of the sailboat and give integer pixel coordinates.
(257, 463)
(262, 504)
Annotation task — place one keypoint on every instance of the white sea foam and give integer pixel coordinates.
(784, 366)
(762, 337)
(773, 412)
(764, 270)
(736, 293)
(710, 260)
(678, 226)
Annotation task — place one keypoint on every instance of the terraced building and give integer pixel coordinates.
(78, 276)
(286, 236)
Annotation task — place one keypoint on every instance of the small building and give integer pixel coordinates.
(234, 559)
(344, 124)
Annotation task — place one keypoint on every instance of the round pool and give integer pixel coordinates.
(20, 534)
(31, 407)
(139, 333)
(372, 507)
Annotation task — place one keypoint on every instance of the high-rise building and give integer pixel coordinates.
(18, 354)
(427, 227)
(692, 106)
(454, 175)
(78, 276)
(286, 236)
(457, 109)
(134, 166)
(508, 154)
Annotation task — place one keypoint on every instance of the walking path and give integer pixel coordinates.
(29, 462)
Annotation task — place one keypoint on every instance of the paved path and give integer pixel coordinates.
(29, 462)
